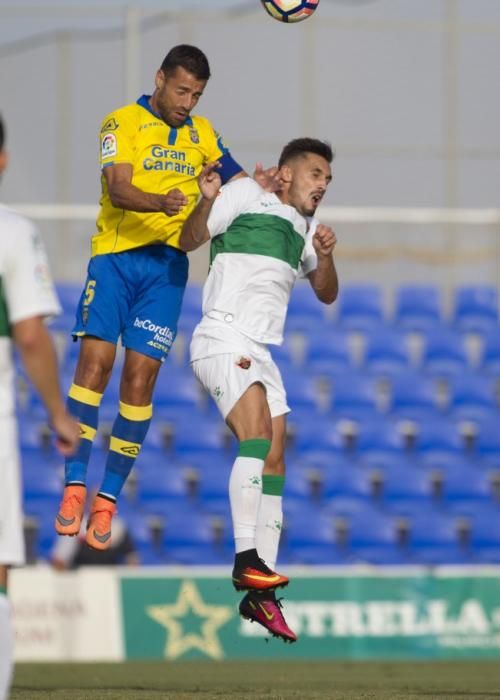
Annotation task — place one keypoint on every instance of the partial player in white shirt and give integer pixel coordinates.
(26, 296)
(260, 243)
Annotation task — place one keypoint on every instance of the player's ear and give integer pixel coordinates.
(4, 159)
(285, 173)
(159, 79)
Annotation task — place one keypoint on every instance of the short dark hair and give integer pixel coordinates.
(191, 58)
(303, 146)
(2, 133)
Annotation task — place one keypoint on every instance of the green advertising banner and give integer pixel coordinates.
(336, 617)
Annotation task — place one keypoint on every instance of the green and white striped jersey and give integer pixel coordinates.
(26, 290)
(259, 246)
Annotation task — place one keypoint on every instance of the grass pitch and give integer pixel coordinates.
(462, 680)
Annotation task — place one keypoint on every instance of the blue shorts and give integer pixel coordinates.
(136, 294)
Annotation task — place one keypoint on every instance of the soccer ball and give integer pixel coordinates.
(290, 10)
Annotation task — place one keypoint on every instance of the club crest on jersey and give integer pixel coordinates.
(110, 125)
(244, 363)
(108, 145)
(194, 135)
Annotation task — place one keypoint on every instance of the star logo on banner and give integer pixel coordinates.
(190, 604)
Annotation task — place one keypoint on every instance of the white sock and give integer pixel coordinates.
(269, 526)
(6, 647)
(245, 489)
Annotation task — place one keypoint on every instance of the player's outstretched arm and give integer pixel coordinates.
(324, 278)
(39, 359)
(195, 230)
(125, 195)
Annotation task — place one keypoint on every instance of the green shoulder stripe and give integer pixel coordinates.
(260, 234)
(4, 316)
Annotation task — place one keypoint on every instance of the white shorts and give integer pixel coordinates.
(11, 516)
(226, 380)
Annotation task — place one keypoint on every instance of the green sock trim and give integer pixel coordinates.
(257, 448)
(3, 590)
(273, 484)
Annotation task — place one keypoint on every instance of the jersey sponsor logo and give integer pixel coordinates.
(110, 125)
(159, 346)
(168, 159)
(108, 145)
(150, 124)
(194, 136)
(163, 335)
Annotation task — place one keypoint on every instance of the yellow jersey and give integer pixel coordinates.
(163, 158)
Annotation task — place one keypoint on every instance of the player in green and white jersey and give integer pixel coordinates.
(260, 243)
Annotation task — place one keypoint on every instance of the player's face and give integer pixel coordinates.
(176, 95)
(310, 176)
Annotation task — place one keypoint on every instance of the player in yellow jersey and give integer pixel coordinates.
(151, 154)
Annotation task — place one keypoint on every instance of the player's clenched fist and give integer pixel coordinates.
(324, 240)
(173, 202)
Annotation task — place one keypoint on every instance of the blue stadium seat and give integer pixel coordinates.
(488, 441)
(418, 307)
(42, 474)
(434, 539)
(39, 514)
(377, 437)
(472, 397)
(303, 391)
(194, 538)
(161, 484)
(468, 485)
(310, 527)
(444, 353)
(436, 436)
(386, 352)
(69, 294)
(214, 485)
(360, 306)
(321, 460)
(354, 396)
(406, 490)
(444, 461)
(328, 354)
(178, 387)
(485, 535)
(476, 307)
(285, 354)
(208, 435)
(490, 360)
(321, 432)
(304, 302)
(346, 489)
(374, 539)
(413, 396)
(192, 300)
(34, 433)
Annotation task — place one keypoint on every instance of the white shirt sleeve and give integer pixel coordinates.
(309, 259)
(28, 285)
(231, 202)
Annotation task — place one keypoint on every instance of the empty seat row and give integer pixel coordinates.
(311, 535)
